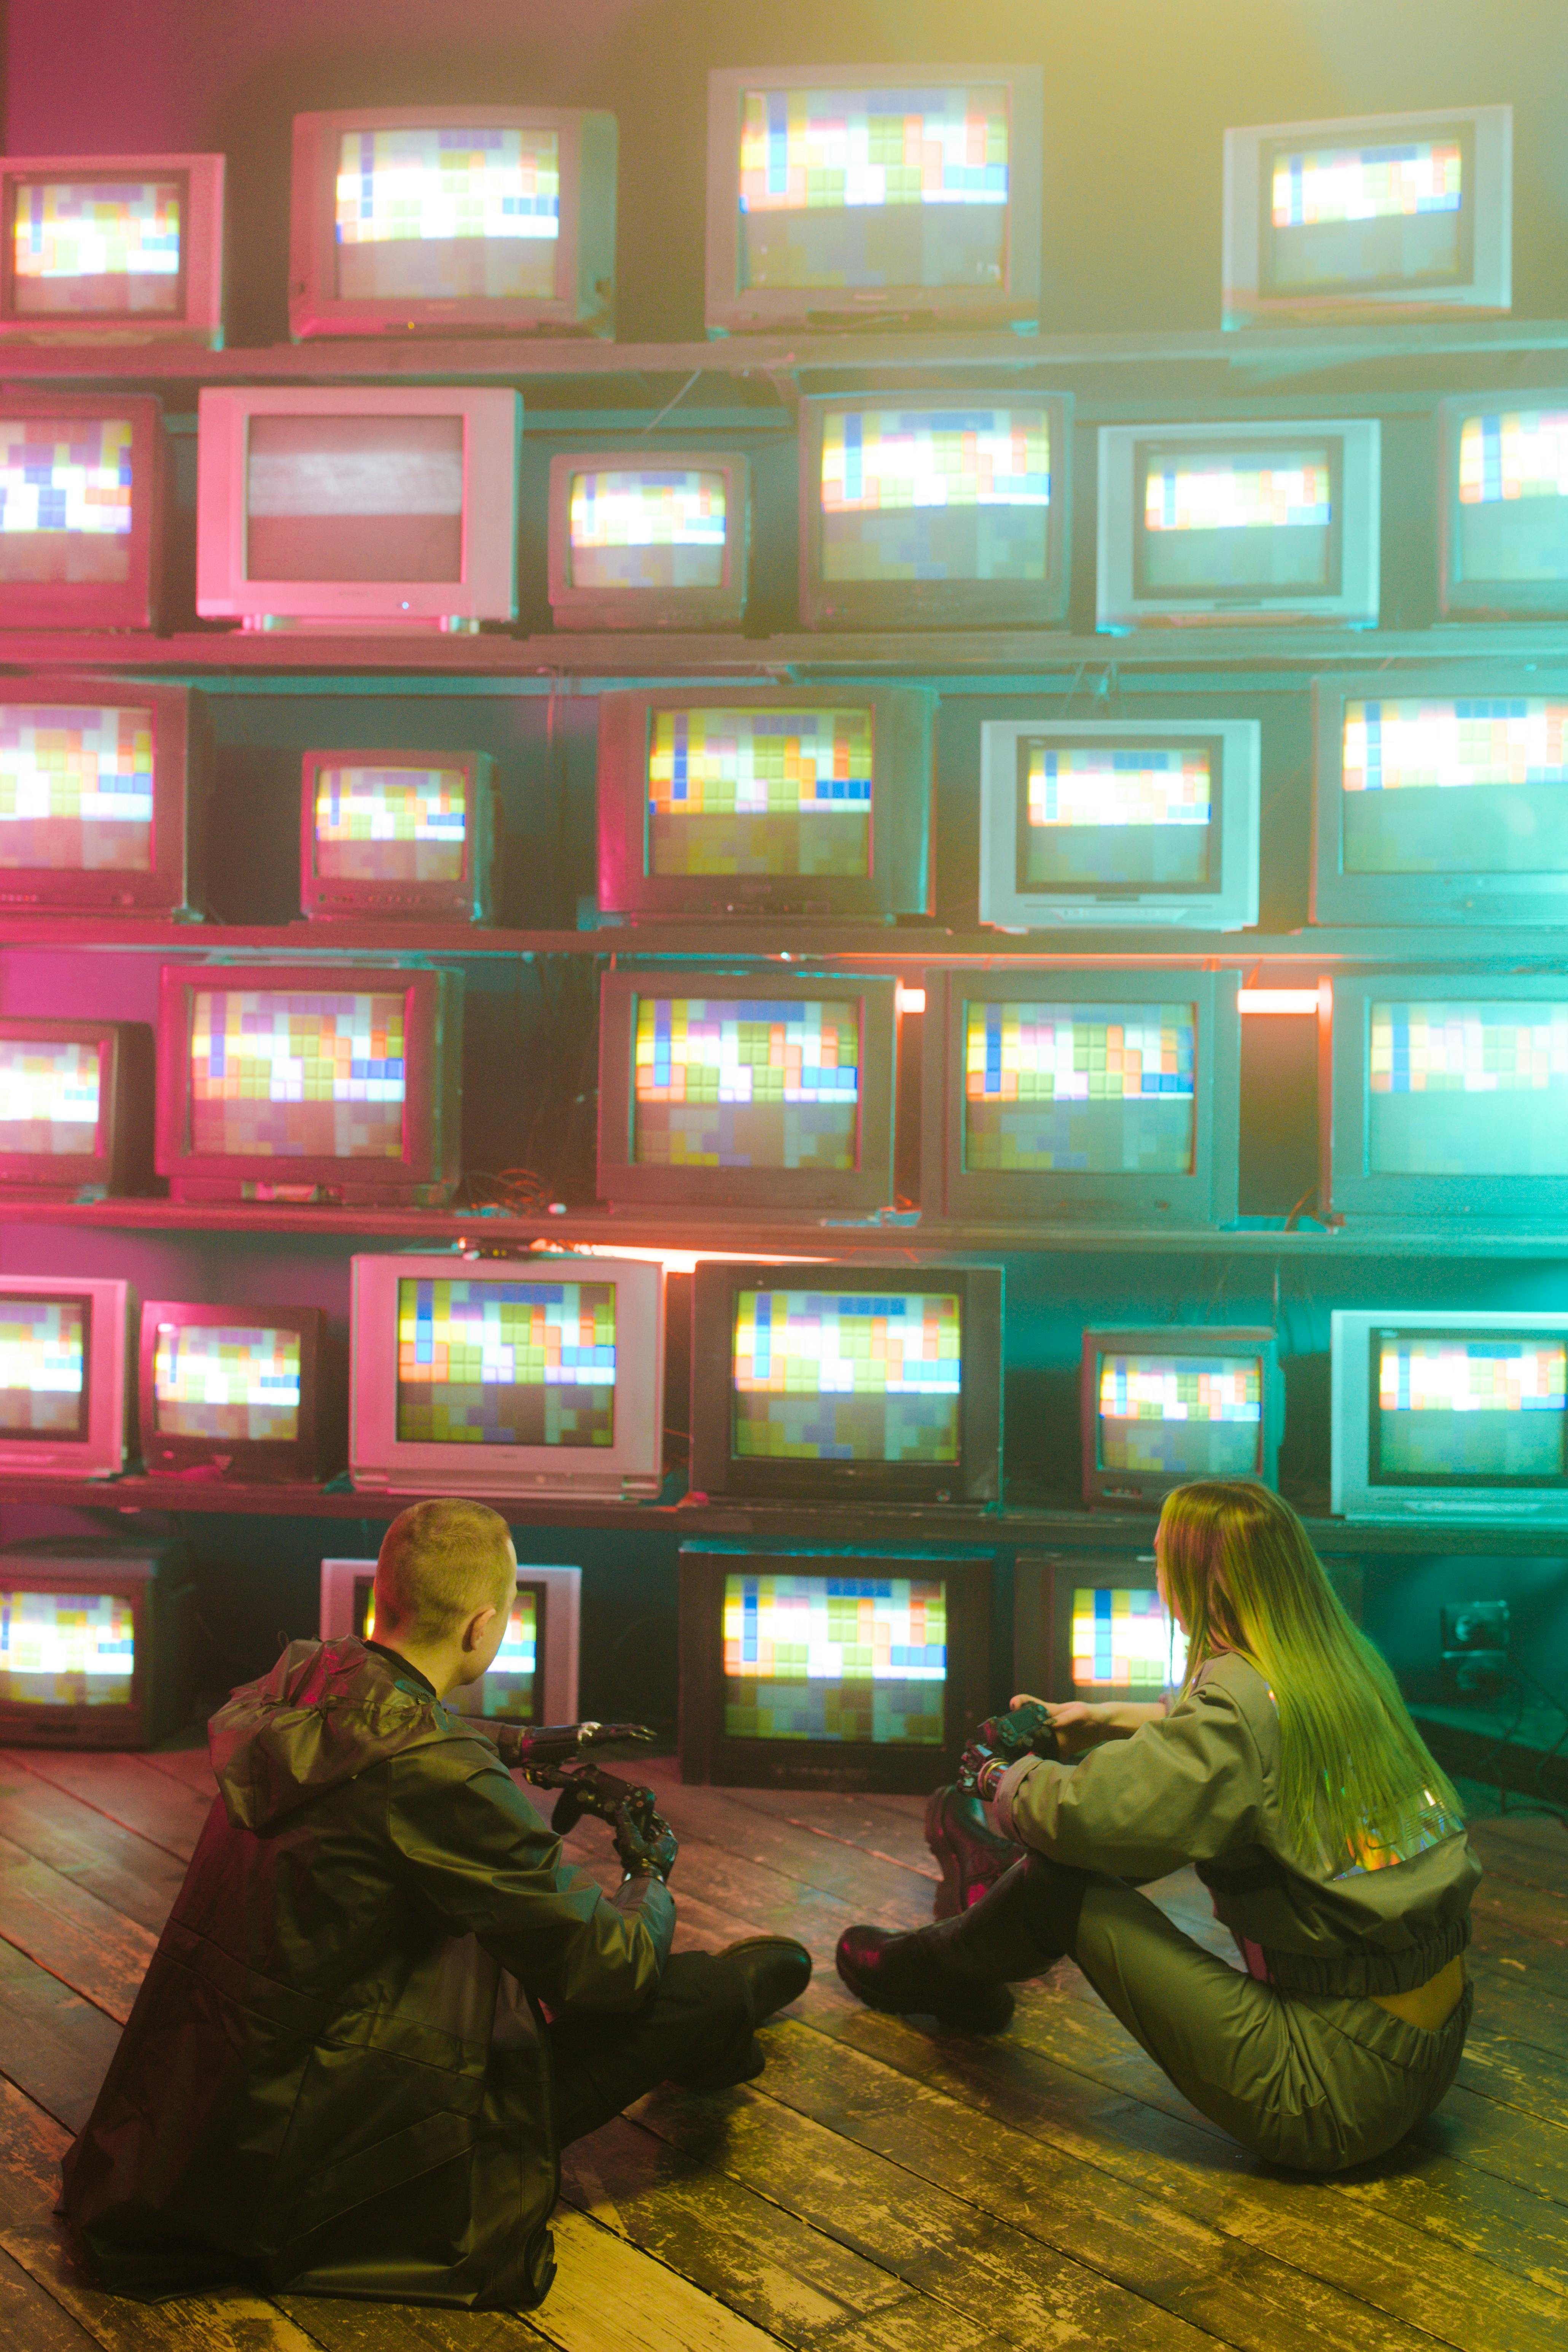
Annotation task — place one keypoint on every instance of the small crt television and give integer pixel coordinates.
(453, 220)
(847, 1382)
(376, 508)
(803, 1667)
(96, 1641)
(82, 497)
(111, 249)
(1450, 1416)
(542, 1376)
(411, 834)
(792, 800)
(1376, 216)
(1247, 521)
(310, 1082)
(1443, 799)
(900, 194)
(1092, 1625)
(1448, 1100)
(649, 539)
(1096, 1094)
(756, 1091)
(534, 1677)
(935, 510)
(75, 1108)
(1118, 824)
(64, 1353)
(104, 787)
(235, 1392)
(1503, 505)
(1180, 1402)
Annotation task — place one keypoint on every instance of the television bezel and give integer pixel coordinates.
(1146, 1490)
(1043, 1585)
(121, 1162)
(584, 302)
(291, 1461)
(487, 588)
(711, 1756)
(1457, 597)
(198, 320)
(1206, 1197)
(723, 607)
(732, 308)
(129, 603)
(431, 1162)
(1236, 770)
(100, 1451)
(1120, 604)
(1486, 293)
(1354, 1494)
(559, 1588)
(173, 884)
(381, 1462)
(158, 1584)
(469, 900)
(900, 882)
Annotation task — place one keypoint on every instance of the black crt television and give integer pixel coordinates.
(75, 1108)
(1177, 1402)
(649, 539)
(95, 1642)
(239, 1392)
(1090, 1625)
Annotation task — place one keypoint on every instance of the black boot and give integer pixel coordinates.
(959, 1970)
(971, 1856)
(776, 1970)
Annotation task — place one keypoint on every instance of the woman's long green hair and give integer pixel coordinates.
(1356, 1782)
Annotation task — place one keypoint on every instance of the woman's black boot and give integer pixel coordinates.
(958, 1972)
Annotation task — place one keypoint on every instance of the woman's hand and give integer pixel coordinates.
(1081, 1724)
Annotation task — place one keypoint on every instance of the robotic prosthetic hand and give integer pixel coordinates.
(999, 1741)
(550, 1757)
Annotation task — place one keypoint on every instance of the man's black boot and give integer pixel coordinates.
(776, 1971)
(970, 1854)
(959, 1970)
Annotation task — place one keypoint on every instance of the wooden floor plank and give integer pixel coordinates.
(340, 2324)
(54, 2045)
(609, 2296)
(137, 1879)
(230, 2323)
(191, 1767)
(95, 1951)
(123, 1789)
(30, 2318)
(31, 2146)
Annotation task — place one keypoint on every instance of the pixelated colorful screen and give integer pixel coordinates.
(235, 1385)
(334, 497)
(734, 792)
(661, 527)
(746, 1083)
(1468, 1089)
(66, 489)
(391, 824)
(76, 788)
(848, 1376)
(837, 1657)
(43, 1367)
(1081, 1089)
(940, 494)
(846, 189)
(448, 216)
(49, 1097)
(1106, 817)
(1476, 784)
(1123, 1639)
(1365, 219)
(1236, 522)
(1512, 521)
(277, 1075)
(1469, 1409)
(67, 1649)
(506, 1363)
(1181, 1416)
(97, 249)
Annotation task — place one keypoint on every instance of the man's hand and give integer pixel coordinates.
(999, 1741)
(644, 1840)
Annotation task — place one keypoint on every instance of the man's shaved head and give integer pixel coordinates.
(440, 1563)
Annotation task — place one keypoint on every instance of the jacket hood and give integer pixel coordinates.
(326, 1711)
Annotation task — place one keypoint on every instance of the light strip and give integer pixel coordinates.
(1277, 1000)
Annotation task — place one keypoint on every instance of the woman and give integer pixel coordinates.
(1289, 1771)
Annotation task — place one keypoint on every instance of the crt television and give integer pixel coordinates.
(75, 1108)
(235, 1392)
(657, 539)
(1118, 823)
(95, 1642)
(845, 1383)
(111, 249)
(1179, 1402)
(935, 510)
(82, 495)
(804, 1667)
(540, 1376)
(761, 1091)
(64, 1366)
(534, 1677)
(1449, 1416)
(104, 787)
(1503, 505)
(1239, 522)
(411, 834)
(1442, 798)
(1100, 1094)
(390, 507)
(1092, 1625)
(1374, 217)
(840, 195)
(310, 1082)
(766, 801)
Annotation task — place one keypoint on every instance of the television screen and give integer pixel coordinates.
(44, 1367)
(649, 539)
(67, 1649)
(486, 1362)
(76, 787)
(1466, 1088)
(836, 1658)
(49, 1096)
(398, 833)
(112, 242)
(1465, 784)
(354, 497)
(1181, 1416)
(1503, 489)
(1123, 1640)
(1094, 819)
(76, 1102)
(1084, 1087)
(1449, 1414)
(233, 1383)
(82, 495)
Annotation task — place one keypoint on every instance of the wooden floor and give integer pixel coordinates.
(883, 2188)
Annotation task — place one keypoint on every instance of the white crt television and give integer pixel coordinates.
(65, 1353)
(1118, 823)
(534, 1677)
(495, 1377)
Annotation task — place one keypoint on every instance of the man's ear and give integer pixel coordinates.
(478, 1626)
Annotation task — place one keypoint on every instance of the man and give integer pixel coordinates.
(382, 2001)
